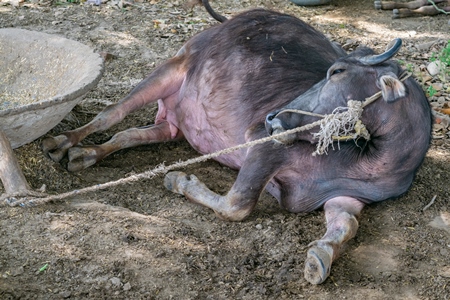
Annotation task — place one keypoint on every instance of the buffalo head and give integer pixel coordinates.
(353, 77)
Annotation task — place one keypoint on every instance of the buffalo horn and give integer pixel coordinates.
(371, 60)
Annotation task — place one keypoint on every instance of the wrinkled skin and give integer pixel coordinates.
(216, 93)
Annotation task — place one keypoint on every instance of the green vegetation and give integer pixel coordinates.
(443, 59)
(444, 56)
(431, 91)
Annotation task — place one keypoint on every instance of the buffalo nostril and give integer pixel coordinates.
(270, 117)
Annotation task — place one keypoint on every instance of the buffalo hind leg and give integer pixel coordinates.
(85, 156)
(162, 83)
(342, 225)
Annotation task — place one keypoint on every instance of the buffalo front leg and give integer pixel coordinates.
(234, 206)
(243, 195)
(342, 225)
(85, 156)
(164, 82)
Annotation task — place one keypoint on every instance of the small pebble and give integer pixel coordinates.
(127, 286)
(115, 281)
(438, 86)
(258, 226)
(66, 294)
(435, 104)
(425, 46)
(434, 68)
(18, 271)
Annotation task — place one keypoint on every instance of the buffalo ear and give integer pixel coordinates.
(391, 87)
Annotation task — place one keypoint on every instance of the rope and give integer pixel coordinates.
(161, 169)
(437, 8)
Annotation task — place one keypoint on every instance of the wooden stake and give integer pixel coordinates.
(11, 175)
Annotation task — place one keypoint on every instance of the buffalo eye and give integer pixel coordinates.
(334, 70)
(337, 71)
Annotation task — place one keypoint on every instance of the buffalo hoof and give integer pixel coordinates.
(174, 181)
(80, 158)
(377, 4)
(56, 147)
(396, 14)
(317, 265)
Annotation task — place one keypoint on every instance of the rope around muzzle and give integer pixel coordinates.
(343, 124)
(332, 126)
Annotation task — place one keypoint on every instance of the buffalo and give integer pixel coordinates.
(414, 8)
(248, 78)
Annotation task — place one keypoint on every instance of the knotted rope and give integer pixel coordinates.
(337, 126)
(342, 124)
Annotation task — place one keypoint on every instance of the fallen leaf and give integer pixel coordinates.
(441, 222)
(445, 272)
(445, 111)
(106, 55)
(437, 86)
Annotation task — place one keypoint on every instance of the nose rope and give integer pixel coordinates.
(343, 124)
(32, 200)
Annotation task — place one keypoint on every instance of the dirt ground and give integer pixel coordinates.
(139, 241)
